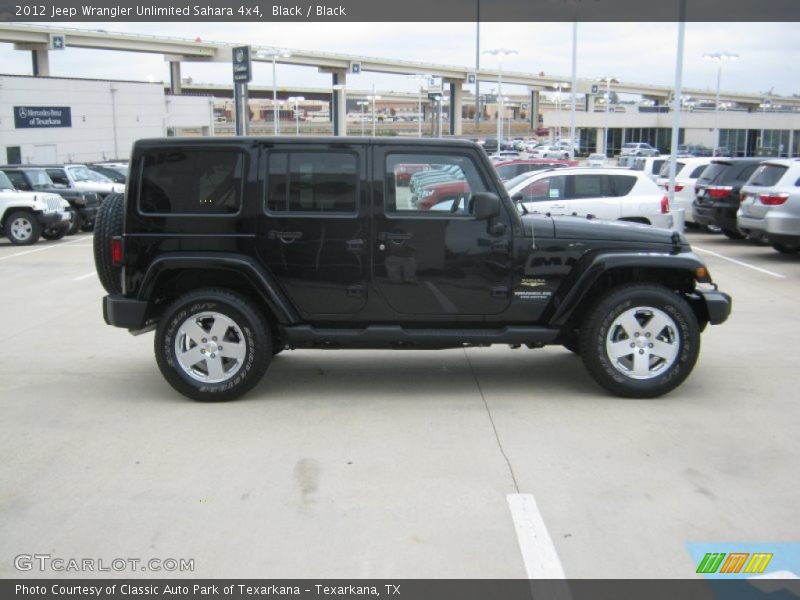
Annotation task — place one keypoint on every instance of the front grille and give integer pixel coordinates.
(53, 203)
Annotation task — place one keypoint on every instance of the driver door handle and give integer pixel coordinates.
(287, 237)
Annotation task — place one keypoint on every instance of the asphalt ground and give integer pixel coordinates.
(391, 464)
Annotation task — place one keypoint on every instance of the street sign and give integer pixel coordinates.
(434, 85)
(242, 72)
(57, 41)
(595, 88)
(471, 78)
(355, 68)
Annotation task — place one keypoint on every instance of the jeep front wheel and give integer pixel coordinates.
(212, 345)
(22, 228)
(640, 341)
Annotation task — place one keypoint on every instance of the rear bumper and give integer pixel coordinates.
(127, 313)
(718, 305)
(750, 225)
(721, 216)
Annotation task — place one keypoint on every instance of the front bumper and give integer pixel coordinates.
(127, 313)
(718, 305)
(87, 213)
(54, 220)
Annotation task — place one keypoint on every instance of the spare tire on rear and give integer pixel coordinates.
(108, 225)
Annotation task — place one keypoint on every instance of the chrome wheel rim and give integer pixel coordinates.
(643, 342)
(210, 347)
(21, 229)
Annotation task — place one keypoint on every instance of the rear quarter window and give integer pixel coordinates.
(697, 172)
(713, 171)
(622, 184)
(191, 181)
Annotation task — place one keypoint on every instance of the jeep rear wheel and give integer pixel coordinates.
(54, 233)
(786, 248)
(107, 226)
(22, 228)
(212, 345)
(641, 340)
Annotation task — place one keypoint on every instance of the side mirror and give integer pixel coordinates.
(518, 198)
(485, 206)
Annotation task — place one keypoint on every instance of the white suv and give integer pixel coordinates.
(24, 216)
(687, 171)
(770, 204)
(638, 149)
(606, 193)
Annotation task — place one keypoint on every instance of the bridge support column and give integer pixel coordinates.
(534, 118)
(40, 59)
(174, 77)
(456, 106)
(339, 102)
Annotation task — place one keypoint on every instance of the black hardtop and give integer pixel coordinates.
(306, 140)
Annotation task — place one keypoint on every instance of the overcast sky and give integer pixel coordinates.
(636, 52)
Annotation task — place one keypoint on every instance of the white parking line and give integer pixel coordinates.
(740, 263)
(538, 552)
(50, 247)
(84, 276)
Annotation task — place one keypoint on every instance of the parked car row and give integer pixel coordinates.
(71, 193)
(757, 198)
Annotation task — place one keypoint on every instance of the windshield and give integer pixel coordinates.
(5, 182)
(39, 178)
(82, 174)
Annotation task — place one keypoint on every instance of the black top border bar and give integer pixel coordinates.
(533, 11)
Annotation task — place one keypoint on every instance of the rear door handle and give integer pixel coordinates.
(397, 238)
(287, 237)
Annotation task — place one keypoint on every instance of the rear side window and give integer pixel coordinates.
(191, 182)
(767, 175)
(745, 173)
(589, 186)
(548, 188)
(657, 164)
(312, 182)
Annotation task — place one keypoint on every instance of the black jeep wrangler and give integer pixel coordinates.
(234, 249)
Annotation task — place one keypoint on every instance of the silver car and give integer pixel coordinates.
(770, 204)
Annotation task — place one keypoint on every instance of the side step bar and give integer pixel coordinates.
(395, 336)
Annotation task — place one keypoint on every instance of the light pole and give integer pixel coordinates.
(719, 58)
(608, 81)
(363, 104)
(296, 100)
(274, 56)
(420, 77)
(559, 86)
(373, 97)
(500, 53)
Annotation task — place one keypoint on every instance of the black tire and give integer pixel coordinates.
(680, 335)
(786, 248)
(75, 224)
(22, 228)
(255, 335)
(53, 233)
(87, 226)
(107, 225)
(733, 234)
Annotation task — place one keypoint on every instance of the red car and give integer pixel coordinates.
(508, 169)
(403, 172)
(433, 194)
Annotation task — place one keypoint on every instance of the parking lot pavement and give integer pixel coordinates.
(390, 464)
